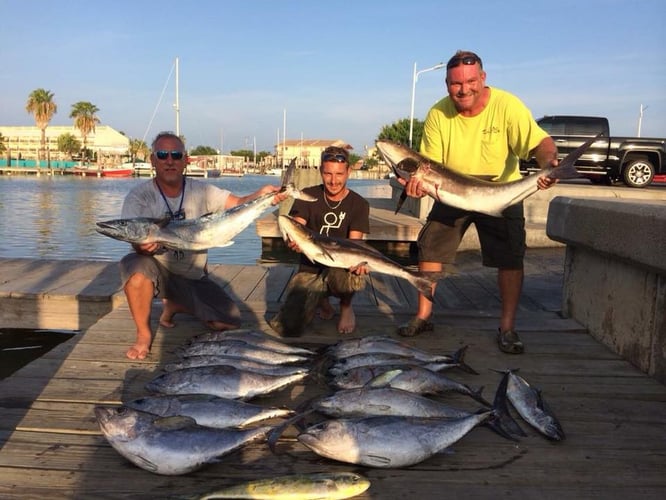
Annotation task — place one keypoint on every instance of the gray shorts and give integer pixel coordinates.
(204, 298)
(502, 239)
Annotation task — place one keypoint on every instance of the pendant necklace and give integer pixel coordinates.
(336, 205)
(179, 213)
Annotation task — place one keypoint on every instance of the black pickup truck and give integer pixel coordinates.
(636, 161)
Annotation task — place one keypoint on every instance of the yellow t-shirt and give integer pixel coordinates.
(488, 144)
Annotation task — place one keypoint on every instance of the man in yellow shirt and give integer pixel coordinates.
(481, 131)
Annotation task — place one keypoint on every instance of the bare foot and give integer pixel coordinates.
(141, 347)
(169, 309)
(347, 322)
(325, 309)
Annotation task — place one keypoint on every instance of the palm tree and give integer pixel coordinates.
(137, 147)
(40, 104)
(84, 119)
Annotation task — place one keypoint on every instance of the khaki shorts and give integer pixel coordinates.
(204, 298)
(502, 239)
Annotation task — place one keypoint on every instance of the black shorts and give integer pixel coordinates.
(203, 297)
(502, 239)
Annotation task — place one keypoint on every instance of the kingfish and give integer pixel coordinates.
(239, 349)
(365, 402)
(252, 337)
(379, 343)
(171, 445)
(531, 406)
(242, 364)
(220, 380)
(207, 410)
(361, 375)
(217, 229)
(315, 486)
(465, 191)
(345, 253)
(387, 442)
(456, 360)
(421, 380)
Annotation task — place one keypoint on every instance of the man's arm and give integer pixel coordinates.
(545, 155)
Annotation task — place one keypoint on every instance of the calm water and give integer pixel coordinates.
(54, 217)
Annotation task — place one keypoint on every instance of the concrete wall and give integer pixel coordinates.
(615, 274)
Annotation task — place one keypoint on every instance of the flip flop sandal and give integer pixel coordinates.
(414, 327)
(509, 342)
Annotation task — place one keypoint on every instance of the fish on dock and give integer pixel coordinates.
(465, 191)
(207, 410)
(345, 253)
(252, 337)
(240, 363)
(217, 229)
(387, 441)
(315, 486)
(220, 380)
(531, 406)
(239, 349)
(170, 445)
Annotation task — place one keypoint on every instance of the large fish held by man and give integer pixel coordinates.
(465, 191)
(346, 253)
(217, 229)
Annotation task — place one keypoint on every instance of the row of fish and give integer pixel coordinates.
(197, 412)
(377, 415)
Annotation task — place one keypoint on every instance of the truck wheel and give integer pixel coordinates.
(638, 173)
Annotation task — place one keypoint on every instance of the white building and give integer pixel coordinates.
(107, 143)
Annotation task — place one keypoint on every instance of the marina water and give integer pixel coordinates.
(53, 217)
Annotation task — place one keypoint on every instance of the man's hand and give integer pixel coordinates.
(413, 187)
(361, 268)
(147, 248)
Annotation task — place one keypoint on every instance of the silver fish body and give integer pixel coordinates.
(360, 375)
(220, 380)
(206, 410)
(251, 337)
(380, 344)
(239, 349)
(216, 229)
(345, 253)
(240, 363)
(387, 442)
(421, 380)
(363, 402)
(530, 405)
(171, 445)
(467, 192)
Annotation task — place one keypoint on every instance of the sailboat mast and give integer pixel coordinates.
(177, 103)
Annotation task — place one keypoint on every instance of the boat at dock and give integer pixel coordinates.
(123, 170)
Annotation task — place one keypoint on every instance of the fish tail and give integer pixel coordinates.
(477, 396)
(458, 358)
(401, 200)
(566, 171)
(504, 423)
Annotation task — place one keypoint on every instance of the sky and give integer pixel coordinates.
(335, 69)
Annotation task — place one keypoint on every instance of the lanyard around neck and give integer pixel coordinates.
(180, 206)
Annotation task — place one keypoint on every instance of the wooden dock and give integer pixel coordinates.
(614, 416)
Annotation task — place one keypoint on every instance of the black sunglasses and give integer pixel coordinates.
(458, 60)
(340, 158)
(163, 155)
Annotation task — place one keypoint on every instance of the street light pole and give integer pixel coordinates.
(415, 77)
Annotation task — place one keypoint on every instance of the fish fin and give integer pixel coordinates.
(504, 424)
(288, 174)
(173, 423)
(477, 396)
(566, 168)
(384, 379)
(377, 461)
(401, 200)
(458, 358)
(278, 430)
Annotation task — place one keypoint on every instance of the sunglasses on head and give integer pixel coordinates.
(458, 60)
(338, 157)
(163, 155)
